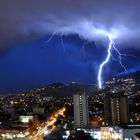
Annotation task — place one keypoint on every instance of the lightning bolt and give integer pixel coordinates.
(120, 58)
(50, 38)
(111, 42)
(61, 39)
(111, 47)
(62, 42)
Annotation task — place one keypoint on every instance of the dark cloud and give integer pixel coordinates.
(24, 20)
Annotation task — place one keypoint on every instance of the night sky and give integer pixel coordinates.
(29, 59)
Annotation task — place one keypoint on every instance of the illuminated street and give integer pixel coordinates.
(44, 129)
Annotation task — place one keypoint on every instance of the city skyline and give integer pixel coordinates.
(69, 70)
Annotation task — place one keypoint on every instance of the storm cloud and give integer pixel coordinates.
(28, 19)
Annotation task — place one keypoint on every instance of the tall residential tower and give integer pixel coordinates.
(81, 116)
(116, 110)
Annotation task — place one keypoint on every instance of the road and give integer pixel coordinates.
(44, 129)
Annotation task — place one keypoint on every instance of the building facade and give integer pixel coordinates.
(116, 110)
(81, 116)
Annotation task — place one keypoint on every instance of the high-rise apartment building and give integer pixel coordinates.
(116, 110)
(81, 116)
